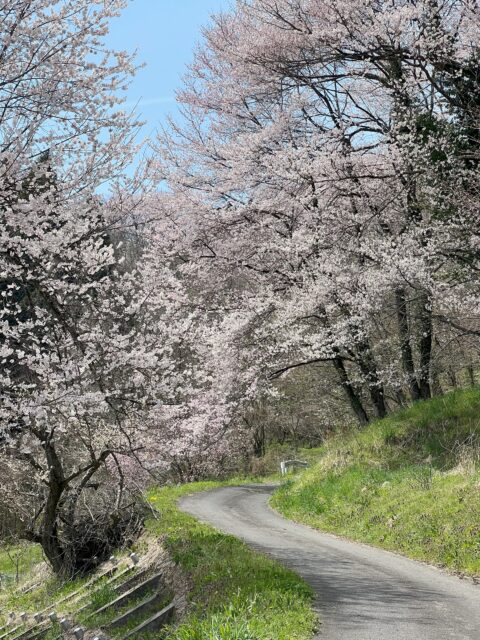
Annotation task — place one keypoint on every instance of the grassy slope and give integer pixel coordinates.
(409, 483)
(237, 594)
(49, 591)
(22, 556)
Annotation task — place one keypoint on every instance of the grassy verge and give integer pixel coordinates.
(409, 483)
(102, 620)
(237, 594)
(46, 590)
(19, 559)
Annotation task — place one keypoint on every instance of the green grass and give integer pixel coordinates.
(102, 596)
(103, 619)
(54, 633)
(22, 557)
(237, 594)
(408, 483)
(107, 594)
(50, 590)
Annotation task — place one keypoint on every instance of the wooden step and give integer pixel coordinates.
(142, 609)
(112, 581)
(12, 630)
(154, 623)
(36, 631)
(140, 590)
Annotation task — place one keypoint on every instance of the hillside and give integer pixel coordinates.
(213, 585)
(409, 483)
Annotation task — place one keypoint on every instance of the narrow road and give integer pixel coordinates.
(362, 593)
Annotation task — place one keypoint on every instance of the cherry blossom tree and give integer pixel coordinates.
(322, 208)
(325, 179)
(87, 339)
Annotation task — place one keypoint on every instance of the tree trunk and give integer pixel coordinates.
(49, 538)
(425, 344)
(452, 376)
(436, 384)
(378, 399)
(368, 367)
(408, 364)
(471, 375)
(258, 440)
(48, 535)
(351, 393)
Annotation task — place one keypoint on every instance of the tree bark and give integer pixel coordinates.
(436, 385)
(49, 537)
(378, 399)
(408, 364)
(471, 375)
(425, 343)
(368, 367)
(452, 376)
(350, 392)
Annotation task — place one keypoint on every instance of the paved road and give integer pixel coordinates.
(362, 593)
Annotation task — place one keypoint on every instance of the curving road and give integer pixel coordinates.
(363, 593)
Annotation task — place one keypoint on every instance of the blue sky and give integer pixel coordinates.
(164, 33)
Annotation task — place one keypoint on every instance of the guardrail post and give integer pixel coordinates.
(284, 464)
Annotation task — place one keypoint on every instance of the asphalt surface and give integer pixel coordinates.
(363, 593)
